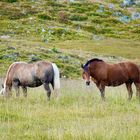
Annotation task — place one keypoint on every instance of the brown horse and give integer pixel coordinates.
(21, 74)
(104, 74)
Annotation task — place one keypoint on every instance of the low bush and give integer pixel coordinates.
(78, 17)
(63, 16)
(44, 16)
(10, 1)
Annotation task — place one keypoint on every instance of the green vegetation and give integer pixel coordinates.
(79, 114)
(34, 28)
(68, 34)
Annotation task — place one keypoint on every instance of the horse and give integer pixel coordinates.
(104, 74)
(22, 74)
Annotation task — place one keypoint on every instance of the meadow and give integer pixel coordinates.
(79, 115)
(69, 34)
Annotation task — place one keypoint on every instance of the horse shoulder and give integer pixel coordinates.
(99, 71)
(10, 74)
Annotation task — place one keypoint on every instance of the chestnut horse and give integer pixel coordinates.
(21, 74)
(104, 74)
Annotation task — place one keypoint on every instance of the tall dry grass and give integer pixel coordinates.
(79, 114)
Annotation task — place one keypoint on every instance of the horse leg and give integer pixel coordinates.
(102, 90)
(16, 87)
(129, 89)
(46, 86)
(17, 91)
(24, 89)
(137, 90)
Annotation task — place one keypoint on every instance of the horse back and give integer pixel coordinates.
(133, 71)
(43, 69)
(123, 72)
(39, 70)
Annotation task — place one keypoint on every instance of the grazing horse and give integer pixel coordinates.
(21, 74)
(104, 74)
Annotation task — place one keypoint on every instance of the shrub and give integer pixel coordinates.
(89, 28)
(78, 17)
(80, 10)
(63, 16)
(59, 32)
(115, 1)
(103, 15)
(106, 31)
(44, 16)
(109, 21)
(16, 15)
(136, 30)
(11, 1)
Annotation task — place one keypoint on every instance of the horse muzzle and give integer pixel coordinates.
(87, 83)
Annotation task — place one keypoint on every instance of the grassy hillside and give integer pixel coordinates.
(69, 32)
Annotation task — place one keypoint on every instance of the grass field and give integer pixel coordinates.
(79, 114)
(69, 34)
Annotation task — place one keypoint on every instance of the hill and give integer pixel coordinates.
(68, 33)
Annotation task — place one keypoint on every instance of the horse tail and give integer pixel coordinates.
(56, 77)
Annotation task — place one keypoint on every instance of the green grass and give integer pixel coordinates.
(77, 30)
(68, 54)
(111, 47)
(79, 114)
(68, 34)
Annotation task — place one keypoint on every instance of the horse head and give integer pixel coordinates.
(2, 90)
(86, 74)
(5, 91)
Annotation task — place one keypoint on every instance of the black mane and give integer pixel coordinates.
(92, 60)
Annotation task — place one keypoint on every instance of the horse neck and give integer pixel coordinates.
(8, 79)
(8, 83)
(96, 66)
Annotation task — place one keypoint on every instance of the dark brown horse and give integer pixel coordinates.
(104, 74)
(21, 74)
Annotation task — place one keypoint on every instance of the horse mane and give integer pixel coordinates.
(7, 80)
(92, 60)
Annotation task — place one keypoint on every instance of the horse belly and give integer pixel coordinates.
(34, 83)
(30, 82)
(117, 81)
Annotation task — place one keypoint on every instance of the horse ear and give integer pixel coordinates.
(82, 66)
(2, 86)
